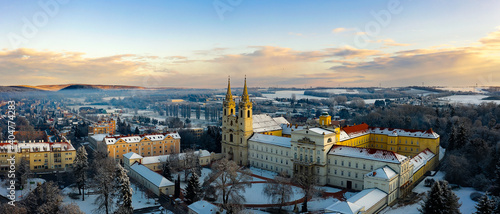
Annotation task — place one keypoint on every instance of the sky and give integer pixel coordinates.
(198, 44)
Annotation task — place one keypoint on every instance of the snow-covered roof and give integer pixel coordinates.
(344, 207)
(320, 131)
(367, 198)
(264, 123)
(280, 120)
(368, 154)
(288, 128)
(132, 155)
(35, 146)
(404, 132)
(203, 207)
(99, 137)
(384, 172)
(155, 178)
(421, 159)
(163, 158)
(350, 132)
(138, 138)
(271, 139)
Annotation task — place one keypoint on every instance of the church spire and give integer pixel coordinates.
(244, 97)
(229, 96)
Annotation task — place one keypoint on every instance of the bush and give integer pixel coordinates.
(73, 195)
(476, 196)
(481, 183)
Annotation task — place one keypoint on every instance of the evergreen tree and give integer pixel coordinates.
(193, 190)
(451, 199)
(80, 167)
(485, 205)
(440, 200)
(452, 139)
(136, 131)
(462, 137)
(124, 191)
(167, 170)
(177, 190)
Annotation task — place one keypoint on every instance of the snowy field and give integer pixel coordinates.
(263, 173)
(468, 205)
(139, 199)
(464, 89)
(299, 94)
(468, 99)
(20, 194)
(255, 195)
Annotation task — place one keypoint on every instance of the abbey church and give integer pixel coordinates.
(354, 157)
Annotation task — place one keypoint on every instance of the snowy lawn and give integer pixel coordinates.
(204, 173)
(139, 199)
(254, 195)
(468, 205)
(263, 173)
(330, 189)
(20, 194)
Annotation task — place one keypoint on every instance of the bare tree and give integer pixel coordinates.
(70, 209)
(125, 191)
(190, 163)
(279, 189)
(228, 183)
(80, 167)
(45, 199)
(307, 182)
(7, 208)
(105, 189)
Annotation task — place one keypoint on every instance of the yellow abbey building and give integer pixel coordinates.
(354, 157)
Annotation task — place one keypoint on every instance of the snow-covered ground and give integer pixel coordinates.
(20, 194)
(468, 99)
(255, 195)
(468, 205)
(139, 199)
(263, 173)
(299, 94)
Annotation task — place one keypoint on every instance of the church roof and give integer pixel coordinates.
(265, 123)
(272, 140)
(368, 154)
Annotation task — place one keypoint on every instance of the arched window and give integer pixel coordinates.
(248, 113)
(232, 111)
(230, 137)
(317, 160)
(300, 157)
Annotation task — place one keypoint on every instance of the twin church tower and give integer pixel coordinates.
(237, 126)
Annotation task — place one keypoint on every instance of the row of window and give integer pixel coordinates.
(357, 165)
(270, 158)
(267, 149)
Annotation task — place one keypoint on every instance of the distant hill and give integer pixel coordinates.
(100, 87)
(21, 88)
(12, 89)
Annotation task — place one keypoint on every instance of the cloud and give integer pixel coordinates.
(341, 30)
(493, 38)
(390, 42)
(264, 66)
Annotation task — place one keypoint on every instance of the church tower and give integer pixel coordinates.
(237, 126)
(229, 124)
(245, 122)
